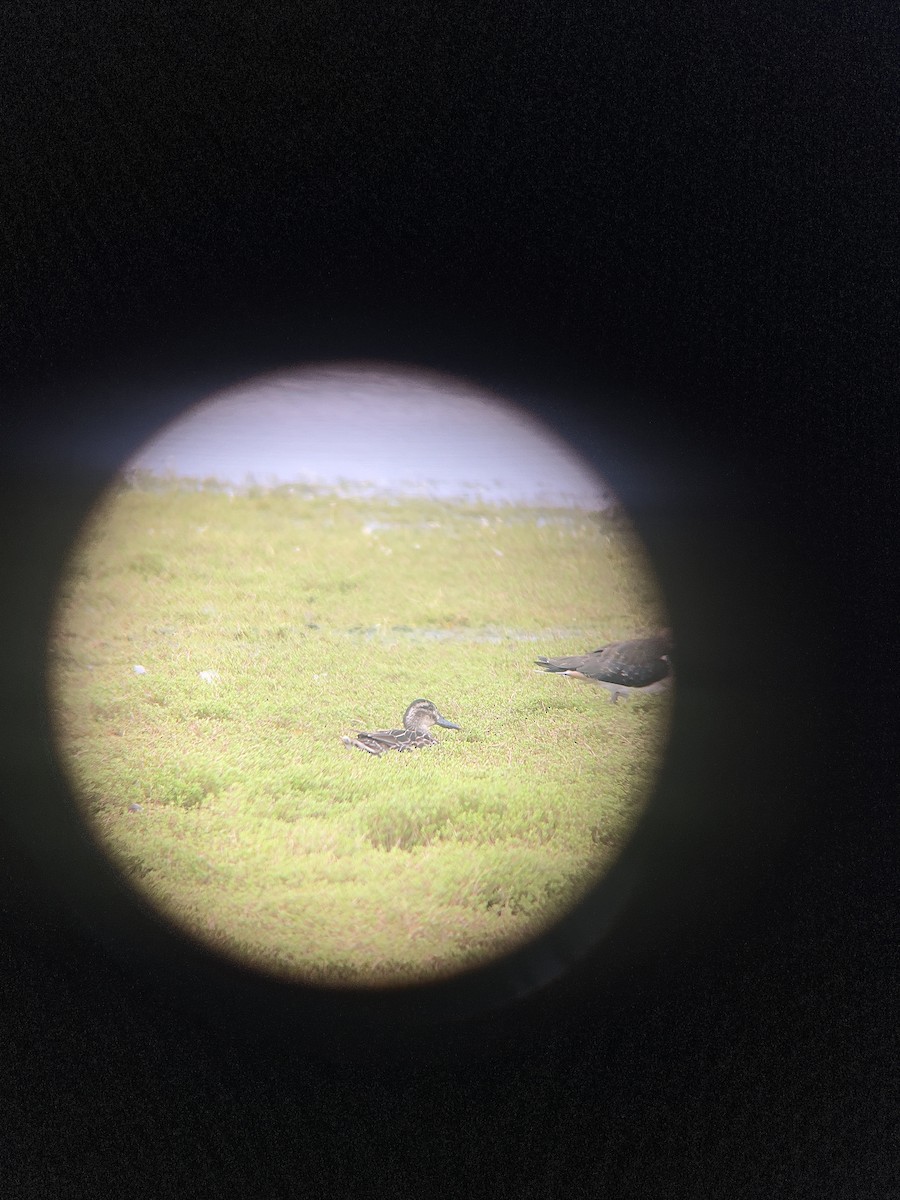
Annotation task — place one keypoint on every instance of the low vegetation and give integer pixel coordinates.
(212, 647)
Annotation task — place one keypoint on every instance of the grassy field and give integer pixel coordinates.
(268, 624)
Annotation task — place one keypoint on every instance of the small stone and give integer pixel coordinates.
(139, 670)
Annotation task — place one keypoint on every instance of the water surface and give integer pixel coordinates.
(378, 429)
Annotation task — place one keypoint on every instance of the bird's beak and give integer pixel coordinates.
(446, 724)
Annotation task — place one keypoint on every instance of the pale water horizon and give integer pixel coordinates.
(373, 429)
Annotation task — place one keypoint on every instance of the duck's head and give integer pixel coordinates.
(422, 714)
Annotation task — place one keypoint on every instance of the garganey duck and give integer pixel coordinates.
(417, 721)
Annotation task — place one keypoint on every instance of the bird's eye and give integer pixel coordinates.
(285, 569)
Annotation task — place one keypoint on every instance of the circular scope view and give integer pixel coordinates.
(360, 675)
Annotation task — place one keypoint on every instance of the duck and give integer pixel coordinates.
(417, 721)
(639, 666)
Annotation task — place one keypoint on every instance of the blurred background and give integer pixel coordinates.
(684, 211)
(377, 430)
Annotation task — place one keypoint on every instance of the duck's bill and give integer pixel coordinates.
(446, 724)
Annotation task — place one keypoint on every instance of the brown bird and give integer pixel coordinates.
(417, 721)
(623, 668)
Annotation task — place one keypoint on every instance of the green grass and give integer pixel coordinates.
(258, 830)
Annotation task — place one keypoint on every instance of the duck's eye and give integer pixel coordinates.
(283, 569)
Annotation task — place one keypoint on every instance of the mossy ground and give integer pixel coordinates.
(268, 623)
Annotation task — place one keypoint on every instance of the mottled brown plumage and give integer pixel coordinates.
(417, 721)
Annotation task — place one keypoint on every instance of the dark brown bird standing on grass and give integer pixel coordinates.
(642, 665)
(417, 721)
